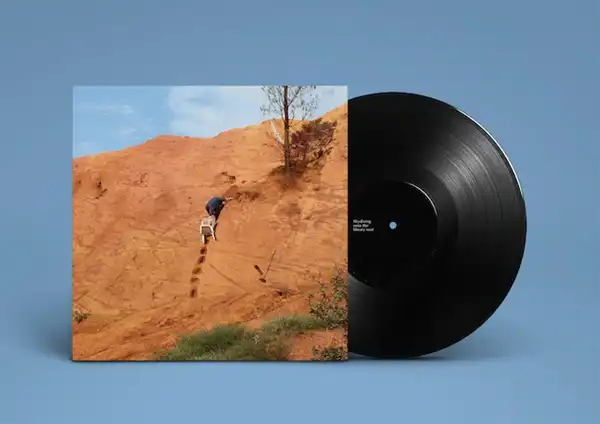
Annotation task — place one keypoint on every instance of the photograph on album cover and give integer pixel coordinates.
(209, 223)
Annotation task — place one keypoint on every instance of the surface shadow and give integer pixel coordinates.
(492, 342)
(51, 330)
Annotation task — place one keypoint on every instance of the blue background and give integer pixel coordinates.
(528, 71)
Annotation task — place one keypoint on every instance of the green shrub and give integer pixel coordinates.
(331, 304)
(330, 354)
(331, 307)
(80, 316)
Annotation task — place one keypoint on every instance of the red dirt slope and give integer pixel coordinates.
(139, 268)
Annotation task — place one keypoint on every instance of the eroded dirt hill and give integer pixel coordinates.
(139, 268)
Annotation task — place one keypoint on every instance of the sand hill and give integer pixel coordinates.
(139, 268)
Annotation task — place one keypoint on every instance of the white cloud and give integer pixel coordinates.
(205, 111)
(132, 123)
(116, 125)
(109, 109)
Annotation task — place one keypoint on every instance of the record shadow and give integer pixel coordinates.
(498, 342)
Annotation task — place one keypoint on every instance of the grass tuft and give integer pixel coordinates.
(215, 341)
(294, 324)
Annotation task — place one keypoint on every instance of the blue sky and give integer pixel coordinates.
(526, 70)
(112, 118)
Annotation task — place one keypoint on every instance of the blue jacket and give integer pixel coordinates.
(214, 205)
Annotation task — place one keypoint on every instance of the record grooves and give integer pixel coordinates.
(437, 225)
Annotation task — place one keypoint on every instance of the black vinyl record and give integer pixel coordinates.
(437, 225)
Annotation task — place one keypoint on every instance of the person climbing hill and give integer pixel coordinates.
(215, 205)
(213, 208)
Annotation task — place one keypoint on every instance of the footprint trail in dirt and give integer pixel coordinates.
(197, 271)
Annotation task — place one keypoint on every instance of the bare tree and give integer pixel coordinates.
(289, 102)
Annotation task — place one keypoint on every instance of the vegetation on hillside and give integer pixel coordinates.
(79, 316)
(303, 145)
(272, 341)
(331, 306)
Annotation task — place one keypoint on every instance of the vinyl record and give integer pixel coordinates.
(437, 225)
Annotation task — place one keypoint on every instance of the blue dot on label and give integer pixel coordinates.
(393, 225)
